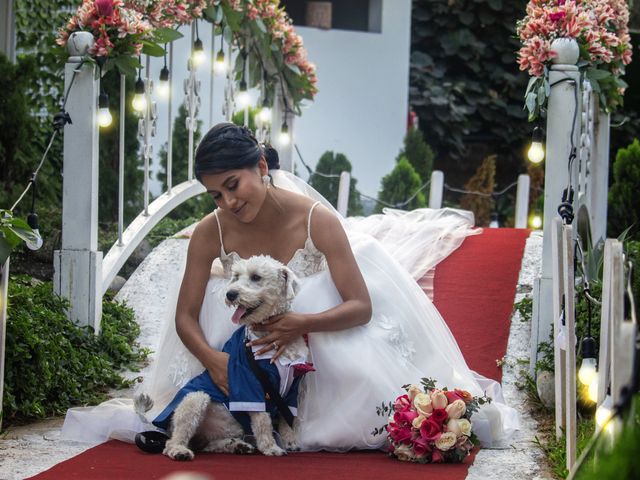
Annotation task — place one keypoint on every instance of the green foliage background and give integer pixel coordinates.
(624, 205)
(51, 364)
(331, 163)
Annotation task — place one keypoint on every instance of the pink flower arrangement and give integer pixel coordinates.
(430, 425)
(599, 26)
(117, 30)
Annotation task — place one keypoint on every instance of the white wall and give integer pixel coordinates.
(360, 109)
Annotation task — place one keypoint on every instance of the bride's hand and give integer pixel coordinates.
(281, 331)
(217, 369)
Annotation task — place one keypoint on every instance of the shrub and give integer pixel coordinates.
(483, 182)
(335, 164)
(400, 185)
(52, 364)
(624, 208)
(418, 153)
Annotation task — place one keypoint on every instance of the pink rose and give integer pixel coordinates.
(464, 395)
(421, 447)
(104, 7)
(406, 417)
(399, 434)
(452, 396)
(436, 456)
(402, 403)
(430, 430)
(439, 416)
(556, 16)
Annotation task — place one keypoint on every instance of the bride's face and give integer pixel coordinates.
(240, 192)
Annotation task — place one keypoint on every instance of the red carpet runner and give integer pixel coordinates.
(474, 291)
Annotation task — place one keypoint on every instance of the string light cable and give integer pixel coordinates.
(60, 119)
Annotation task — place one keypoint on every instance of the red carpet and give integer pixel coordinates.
(474, 290)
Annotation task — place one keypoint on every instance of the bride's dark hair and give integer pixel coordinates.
(229, 147)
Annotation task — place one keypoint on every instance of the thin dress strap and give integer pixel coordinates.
(222, 251)
(309, 220)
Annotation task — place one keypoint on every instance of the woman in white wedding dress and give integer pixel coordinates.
(371, 328)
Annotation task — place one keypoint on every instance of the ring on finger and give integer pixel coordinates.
(275, 345)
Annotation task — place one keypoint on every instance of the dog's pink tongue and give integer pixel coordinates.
(237, 315)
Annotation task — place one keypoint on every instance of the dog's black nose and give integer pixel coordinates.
(232, 295)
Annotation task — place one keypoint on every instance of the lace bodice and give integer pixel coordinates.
(304, 262)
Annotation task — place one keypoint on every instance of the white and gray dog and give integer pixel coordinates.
(260, 288)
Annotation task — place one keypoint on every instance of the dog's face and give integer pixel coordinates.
(259, 288)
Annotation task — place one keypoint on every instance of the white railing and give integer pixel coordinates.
(81, 273)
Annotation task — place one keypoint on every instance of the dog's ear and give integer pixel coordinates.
(291, 284)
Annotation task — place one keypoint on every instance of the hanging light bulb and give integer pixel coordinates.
(220, 65)
(536, 221)
(243, 99)
(264, 115)
(198, 55)
(104, 115)
(588, 371)
(36, 243)
(284, 137)
(536, 151)
(163, 85)
(604, 412)
(592, 392)
(139, 102)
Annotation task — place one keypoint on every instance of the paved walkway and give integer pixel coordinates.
(27, 450)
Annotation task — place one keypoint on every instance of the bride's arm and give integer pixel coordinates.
(203, 248)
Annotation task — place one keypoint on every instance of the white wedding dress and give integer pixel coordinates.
(356, 369)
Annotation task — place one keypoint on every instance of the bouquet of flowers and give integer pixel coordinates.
(600, 27)
(430, 425)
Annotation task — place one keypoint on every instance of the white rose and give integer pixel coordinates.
(446, 441)
(422, 403)
(413, 391)
(465, 426)
(456, 409)
(438, 399)
(454, 426)
(404, 453)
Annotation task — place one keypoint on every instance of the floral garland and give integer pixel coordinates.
(600, 28)
(124, 29)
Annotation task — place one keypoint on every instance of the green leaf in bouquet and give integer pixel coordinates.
(152, 49)
(127, 65)
(428, 383)
(260, 24)
(166, 35)
(597, 74)
(210, 13)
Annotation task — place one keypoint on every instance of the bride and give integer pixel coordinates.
(371, 328)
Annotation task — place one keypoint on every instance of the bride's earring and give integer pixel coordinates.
(266, 180)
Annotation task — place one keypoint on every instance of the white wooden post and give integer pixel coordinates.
(522, 201)
(599, 175)
(436, 189)
(4, 285)
(343, 193)
(604, 361)
(571, 419)
(8, 35)
(560, 117)
(559, 353)
(78, 264)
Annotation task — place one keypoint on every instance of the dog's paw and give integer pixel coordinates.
(291, 446)
(243, 448)
(273, 451)
(178, 452)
